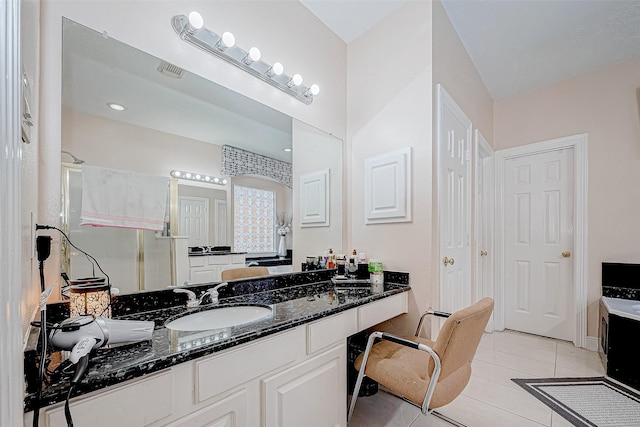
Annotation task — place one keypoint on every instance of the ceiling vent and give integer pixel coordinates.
(170, 70)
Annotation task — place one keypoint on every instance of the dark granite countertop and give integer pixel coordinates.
(270, 261)
(294, 303)
(213, 253)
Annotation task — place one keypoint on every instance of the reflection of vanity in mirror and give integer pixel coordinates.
(175, 120)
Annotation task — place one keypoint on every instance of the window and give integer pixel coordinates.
(253, 219)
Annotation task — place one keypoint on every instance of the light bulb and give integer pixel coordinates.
(117, 107)
(312, 91)
(224, 181)
(187, 175)
(196, 20)
(226, 41)
(296, 80)
(176, 173)
(198, 176)
(207, 178)
(253, 55)
(275, 70)
(216, 180)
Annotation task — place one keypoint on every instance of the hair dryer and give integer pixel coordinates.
(82, 334)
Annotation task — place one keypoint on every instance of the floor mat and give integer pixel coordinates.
(593, 402)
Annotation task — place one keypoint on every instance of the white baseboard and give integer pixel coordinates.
(592, 343)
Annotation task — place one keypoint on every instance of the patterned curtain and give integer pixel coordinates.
(236, 161)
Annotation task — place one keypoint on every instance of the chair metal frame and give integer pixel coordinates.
(433, 381)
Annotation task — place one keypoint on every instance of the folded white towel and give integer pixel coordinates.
(124, 199)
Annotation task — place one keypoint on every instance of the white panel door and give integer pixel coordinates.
(194, 219)
(221, 237)
(484, 221)
(454, 138)
(538, 223)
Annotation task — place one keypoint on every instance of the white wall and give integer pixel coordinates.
(603, 104)
(389, 107)
(454, 70)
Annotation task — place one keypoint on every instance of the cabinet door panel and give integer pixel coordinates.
(312, 394)
(228, 412)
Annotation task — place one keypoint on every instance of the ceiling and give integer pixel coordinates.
(516, 45)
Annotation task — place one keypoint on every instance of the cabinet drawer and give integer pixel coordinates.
(238, 259)
(197, 261)
(331, 330)
(137, 404)
(204, 276)
(219, 373)
(379, 311)
(218, 259)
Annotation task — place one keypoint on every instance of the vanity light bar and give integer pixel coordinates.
(191, 29)
(198, 177)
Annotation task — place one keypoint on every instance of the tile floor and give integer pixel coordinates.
(491, 399)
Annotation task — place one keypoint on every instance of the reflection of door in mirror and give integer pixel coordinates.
(194, 219)
(198, 220)
(220, 238)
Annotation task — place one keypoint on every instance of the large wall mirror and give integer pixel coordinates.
(175, 120)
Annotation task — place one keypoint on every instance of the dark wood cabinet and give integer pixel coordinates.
(623, 363)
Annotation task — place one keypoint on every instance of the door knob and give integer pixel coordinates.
(448, 261)
(566, 254)
(483, 253)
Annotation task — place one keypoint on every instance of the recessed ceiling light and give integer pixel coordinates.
(115, 106)
(286, 150)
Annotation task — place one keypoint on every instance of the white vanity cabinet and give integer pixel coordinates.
(208, 268)
(294, 378)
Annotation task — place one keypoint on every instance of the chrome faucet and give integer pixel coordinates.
(194, 301)
(214, 292)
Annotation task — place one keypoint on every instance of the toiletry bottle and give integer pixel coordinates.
(331, 261)
(352, 266)
(376, 275)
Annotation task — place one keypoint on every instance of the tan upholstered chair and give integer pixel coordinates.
(425, 373)
(243, 273)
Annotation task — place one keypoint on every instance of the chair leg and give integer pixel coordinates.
(356, 389)
(447, 419)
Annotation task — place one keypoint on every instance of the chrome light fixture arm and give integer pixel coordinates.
(214, 44)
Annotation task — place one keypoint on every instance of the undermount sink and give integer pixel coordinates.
(222, 317)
